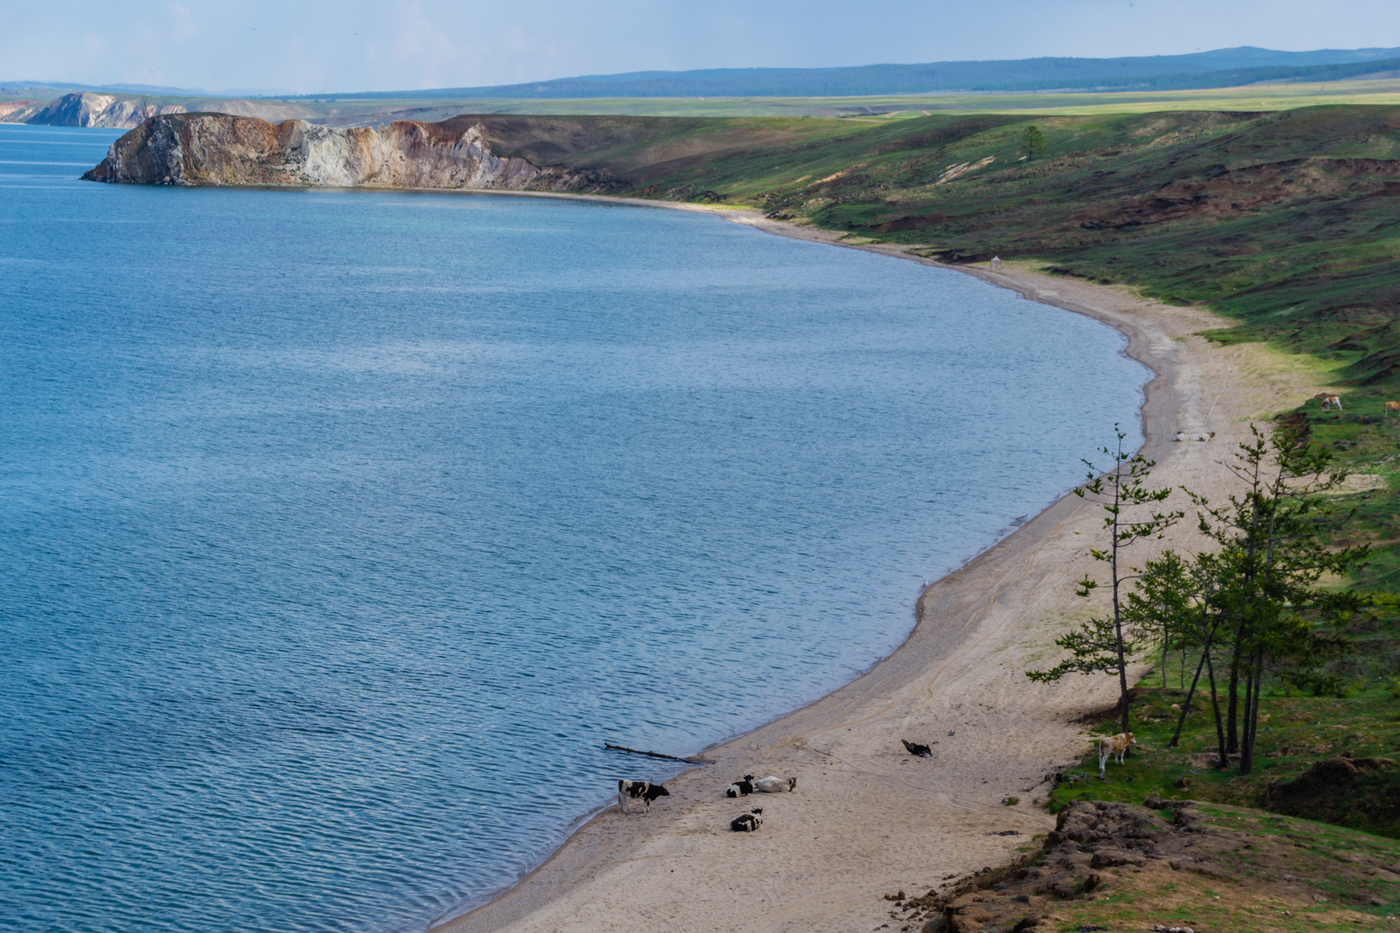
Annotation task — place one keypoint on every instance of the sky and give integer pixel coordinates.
(315, 46)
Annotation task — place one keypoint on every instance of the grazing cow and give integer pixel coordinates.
(1389, 407)
(914, 748)
(1113, 746)
(1206, 436)
(775, 785)
(635, 790)
(747, 822)
(1330, 402)
(740, 788)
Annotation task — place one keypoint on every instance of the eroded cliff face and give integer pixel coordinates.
(125, 111)
(102, 110)
(219, 149)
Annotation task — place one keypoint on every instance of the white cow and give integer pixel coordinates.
(775, 785)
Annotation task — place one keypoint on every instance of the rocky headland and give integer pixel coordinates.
(125, 111)
(640, 156)
(219, 149)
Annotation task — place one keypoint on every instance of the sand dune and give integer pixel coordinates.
(867, 818)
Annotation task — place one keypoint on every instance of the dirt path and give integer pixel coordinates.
(867, 818)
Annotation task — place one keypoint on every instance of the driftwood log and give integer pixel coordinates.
(694, 759)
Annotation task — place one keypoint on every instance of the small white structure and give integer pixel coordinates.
(996, 262)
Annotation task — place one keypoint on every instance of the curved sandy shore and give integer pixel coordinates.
(867, 818)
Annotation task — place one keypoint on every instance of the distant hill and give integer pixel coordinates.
(1218, 68)
(55, 88)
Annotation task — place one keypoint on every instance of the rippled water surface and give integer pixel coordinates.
(338, 530)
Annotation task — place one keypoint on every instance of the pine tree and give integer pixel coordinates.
(1107, 644)
(1032, 142)
(1273, 550)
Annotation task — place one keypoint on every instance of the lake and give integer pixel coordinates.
(340, 529)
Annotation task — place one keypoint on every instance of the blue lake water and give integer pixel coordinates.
(338, 530)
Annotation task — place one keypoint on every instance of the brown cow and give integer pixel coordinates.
(1391, 406)
(1113, 746)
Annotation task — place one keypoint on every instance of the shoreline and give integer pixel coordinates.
(604, 876)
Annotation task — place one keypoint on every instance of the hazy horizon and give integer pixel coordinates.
(258, 47)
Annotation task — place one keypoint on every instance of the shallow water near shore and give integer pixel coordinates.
(341, 529)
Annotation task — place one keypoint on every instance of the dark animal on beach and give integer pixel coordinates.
(740, 788)
(747, 822)
(775, 785)
(639, 790)
(914, 748)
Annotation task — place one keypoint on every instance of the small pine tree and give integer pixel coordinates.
(1107, 644)
(1033, 142)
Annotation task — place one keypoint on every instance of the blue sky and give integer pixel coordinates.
(348, 45)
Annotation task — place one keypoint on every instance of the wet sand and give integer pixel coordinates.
(867, 818)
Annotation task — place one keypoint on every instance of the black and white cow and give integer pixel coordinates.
(639, 790)
(747, 822)
(921, 751)
(740, 788)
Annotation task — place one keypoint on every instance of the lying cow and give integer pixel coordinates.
(740, 788)
(639, 790)
(747, 822)
(775, 785)
(1113, 746)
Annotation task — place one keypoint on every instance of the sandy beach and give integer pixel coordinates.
(867, 818)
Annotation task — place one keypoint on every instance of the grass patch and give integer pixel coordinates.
(1206, 866)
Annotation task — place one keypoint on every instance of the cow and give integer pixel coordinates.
(740, 788)
(1206, 436)
(639, 790)
(1180, 436)
(1389, 407)
(1330, 402)
(747, 822)
(1113, 746)
(919, 751)
(775, 785)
